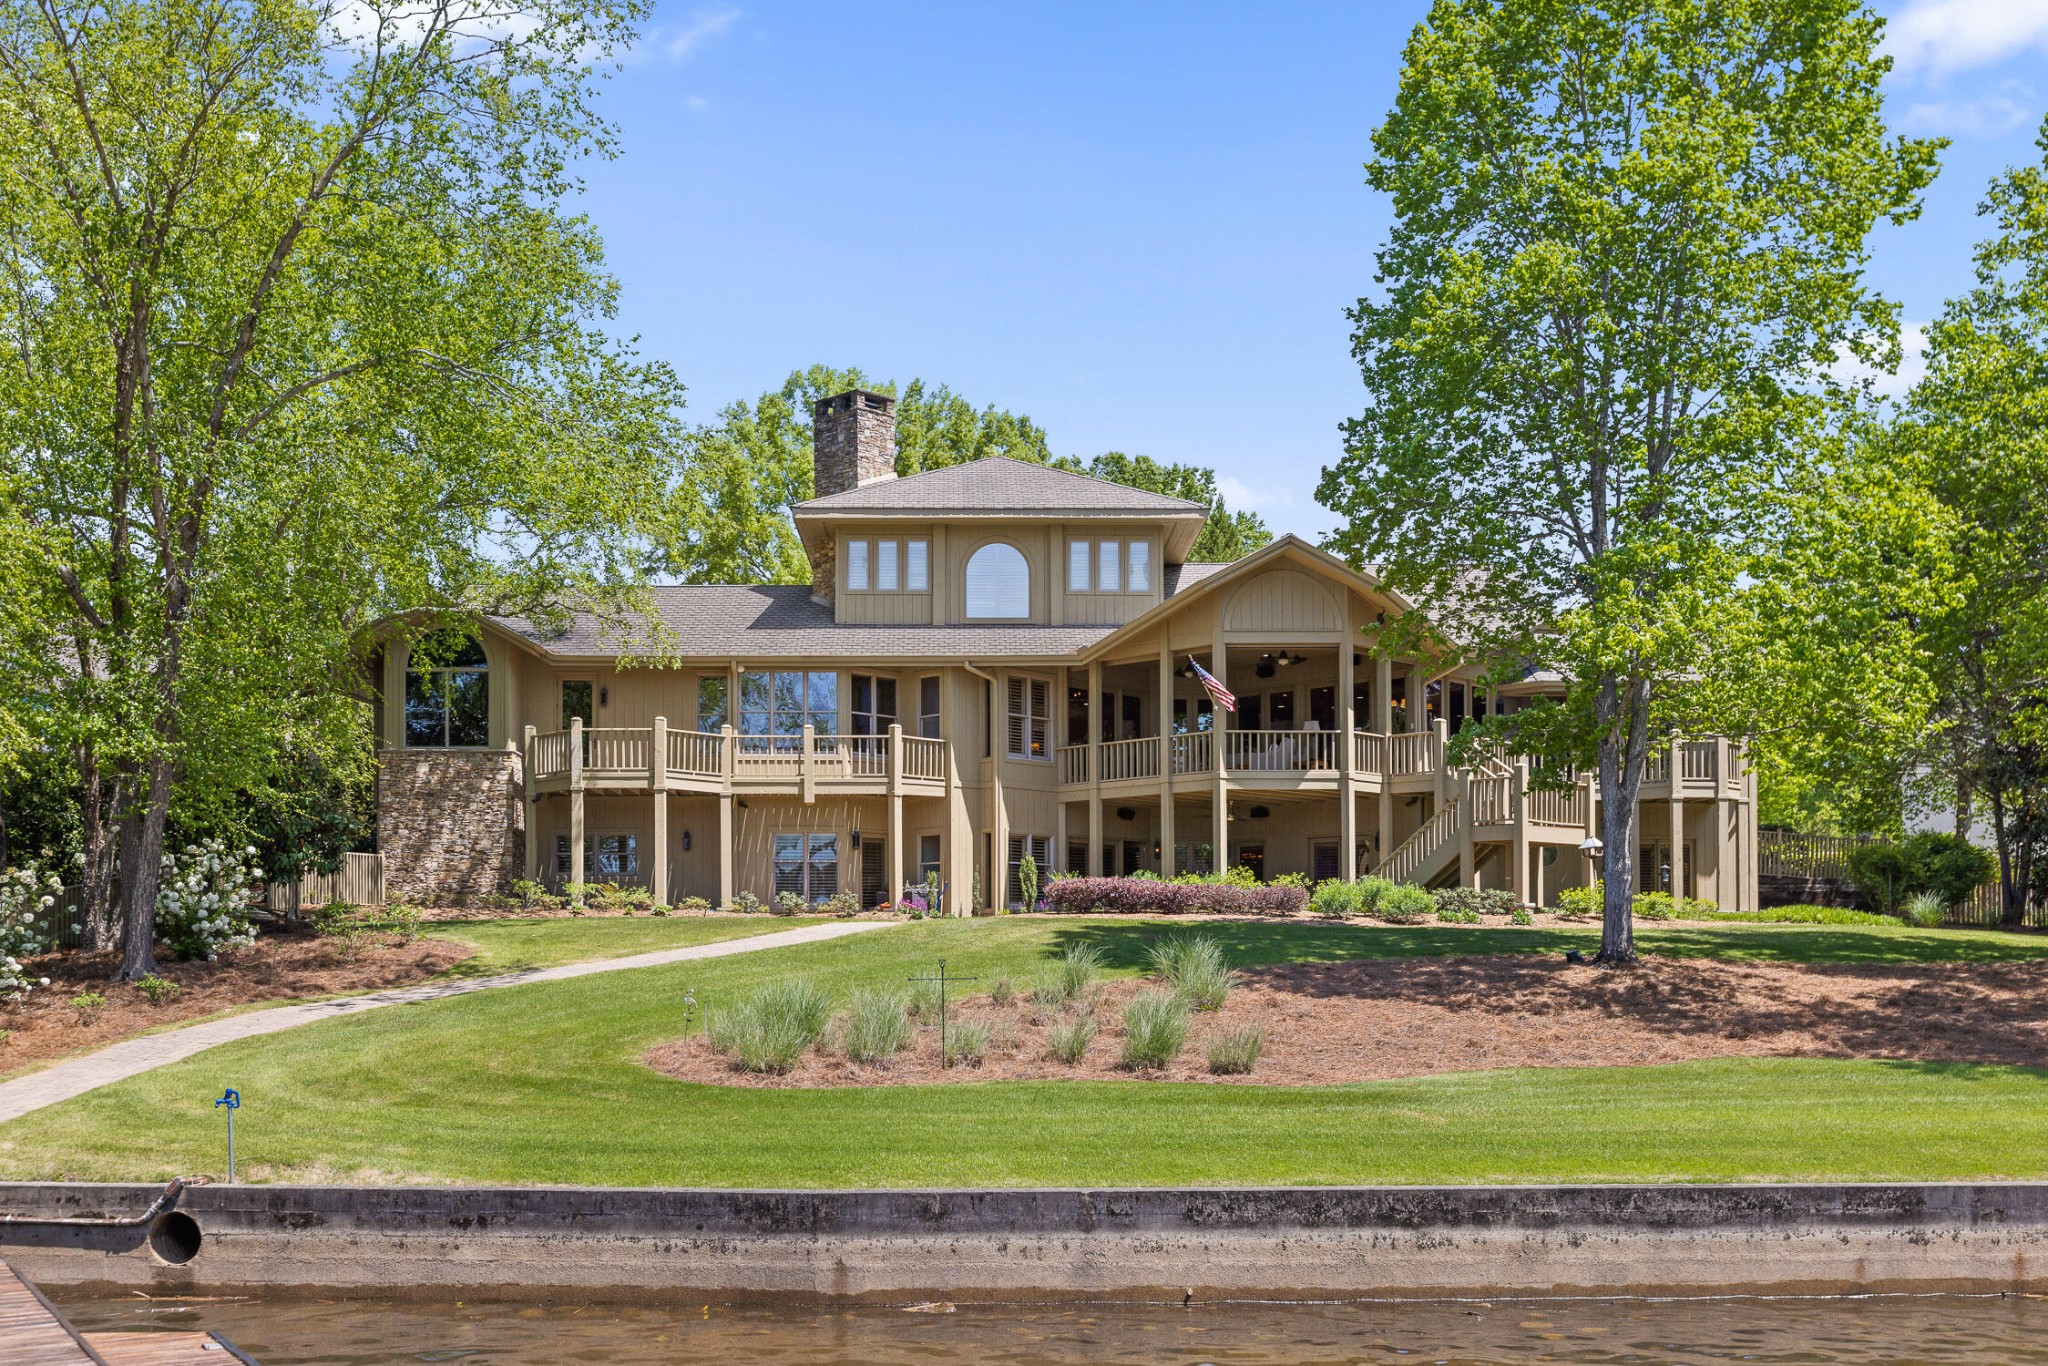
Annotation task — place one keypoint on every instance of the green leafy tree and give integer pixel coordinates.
(1976, 430)
(1225, 536)
(1626, 239)
(299, 333)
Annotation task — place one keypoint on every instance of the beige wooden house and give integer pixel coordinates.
(994, 659)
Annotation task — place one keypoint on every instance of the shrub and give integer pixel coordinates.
(787, 903)
(1663, 906)
(843, 904)
(769, 1031)
(876, 1028)
(1947, 865)
(1155, 1029)
(1925, 909)
(1582, 901)
(1070, 1039)
(745, 903)
(202, 900)
(1478, 900)
(28, 899)
(1150, 896)
(966, 1043)
(1027, 882)
(88, 1005)
(1237, 1052)
(1880, 872)
(694, 905)
(1805, 915)
(403, 919)
(158, 990)
(611, 896)
(1371, 892)
(528, 895)
(1194, 966)
(1406, 906)
(1456, 915)
(1335, 899)
(1520, 916)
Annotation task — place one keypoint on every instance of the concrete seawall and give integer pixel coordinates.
(1011, 1244)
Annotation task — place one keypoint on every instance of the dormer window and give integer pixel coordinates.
(888, 565)
(998, 584)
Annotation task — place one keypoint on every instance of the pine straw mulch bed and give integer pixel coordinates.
(1373, 1019)
(277, 967)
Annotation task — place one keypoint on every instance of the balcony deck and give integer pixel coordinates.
(624, 759)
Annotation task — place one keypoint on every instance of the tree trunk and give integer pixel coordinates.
(1622, 709)
(96, 846)
(142, 854)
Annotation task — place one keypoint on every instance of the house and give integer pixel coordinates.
(992, 660)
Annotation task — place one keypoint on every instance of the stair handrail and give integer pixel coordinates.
(1415, 852)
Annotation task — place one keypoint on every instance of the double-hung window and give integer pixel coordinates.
(1029, 705)
(874, 704)
(1139, 567)
(448, 695)
(928, 706)
(917, 567)
(857, 566)
(1080, 578)
(807, 865)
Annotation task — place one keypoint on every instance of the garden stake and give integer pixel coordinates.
(944, 1060)
(233, 1100)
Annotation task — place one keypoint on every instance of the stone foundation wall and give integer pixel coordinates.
(451, 824)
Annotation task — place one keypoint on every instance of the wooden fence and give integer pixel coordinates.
(1784, 853)
(359, 880)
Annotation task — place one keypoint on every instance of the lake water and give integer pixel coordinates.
(1892, 1330)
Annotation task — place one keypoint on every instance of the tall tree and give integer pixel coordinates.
(1626, 237)
(750, 467)
(1976, 429)
(298, 332)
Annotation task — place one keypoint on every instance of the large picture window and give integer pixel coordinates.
(998, 583)
(807, 865)
(775, 707)
(448, 695)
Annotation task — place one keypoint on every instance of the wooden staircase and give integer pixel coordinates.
(1423, 856)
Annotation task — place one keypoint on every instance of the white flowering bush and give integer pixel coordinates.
(28, 901)
(202, 902)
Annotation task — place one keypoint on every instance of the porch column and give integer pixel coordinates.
(1166, 867)
(1347, 754)
(1059, 837)
(657, 779)
(1468, 864)
(1094, 864)
(526, 797)
(1383, 695)
(894, 856)
(1219, 821)
(998, 888)
(576, 807)
(1519, 813)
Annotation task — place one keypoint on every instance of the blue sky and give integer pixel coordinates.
(1140, 224)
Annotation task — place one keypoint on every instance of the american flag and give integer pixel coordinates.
(1223, 696)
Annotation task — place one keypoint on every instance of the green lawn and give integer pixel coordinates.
(514, 945)
(542, 1084)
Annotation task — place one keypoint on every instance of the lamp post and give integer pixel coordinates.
(1593, 849)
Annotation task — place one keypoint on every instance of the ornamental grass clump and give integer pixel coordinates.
(1078, 969)
(1194, 966)
(966, 1043)
(1925, 909)
(771, 1030)
(876, 1027)
(1070, 1039)
(1236, 1053)
(924, 1001)
(1155, 1029)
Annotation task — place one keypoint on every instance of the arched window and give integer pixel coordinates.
(447, 694)
(998, 583)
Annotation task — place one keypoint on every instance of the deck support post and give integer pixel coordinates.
(1468, 863)
(894, 853)
(576, 869)
(1347, 751)
(1166, 865)
(1094, 738)
(1518, 812)
(529, 801)
(657, 781)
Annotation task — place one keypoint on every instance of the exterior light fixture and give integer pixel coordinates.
(686, 841)
(604, 695)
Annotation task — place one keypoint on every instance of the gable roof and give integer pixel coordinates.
(1000, 486)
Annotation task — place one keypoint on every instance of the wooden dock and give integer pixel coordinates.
(34, 1333)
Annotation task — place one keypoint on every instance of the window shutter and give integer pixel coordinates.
(1019, 721)
(1039, 709)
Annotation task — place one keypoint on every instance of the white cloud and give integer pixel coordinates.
(1929, 39)
(1912, 364)
(696, 104)
(1987, 116)
(1242, 497)
(703, 26)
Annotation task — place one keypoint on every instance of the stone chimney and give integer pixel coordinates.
(853, 440)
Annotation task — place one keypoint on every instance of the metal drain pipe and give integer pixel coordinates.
(158, 1206)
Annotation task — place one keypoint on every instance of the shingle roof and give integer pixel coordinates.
(1001, 485)
(777, 621)
(1181, 577)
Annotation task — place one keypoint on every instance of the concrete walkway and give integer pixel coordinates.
(76, 1076)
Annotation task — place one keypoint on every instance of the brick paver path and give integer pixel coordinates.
(120, 1061)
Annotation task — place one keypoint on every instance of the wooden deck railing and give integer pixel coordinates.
(1126, 759)
(613, 756)
(1411, 752)
(924, 758)
(1280, 751)
(1493, 800)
